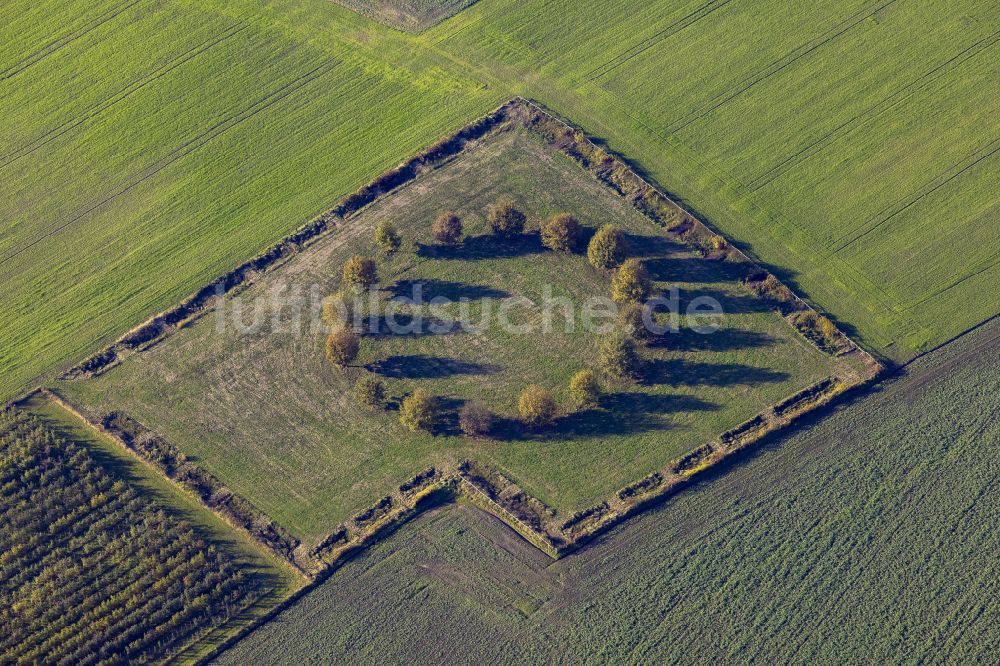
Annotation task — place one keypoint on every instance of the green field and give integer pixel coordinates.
(95, 569)
(868, 537)
(148, 146)
(267, 406)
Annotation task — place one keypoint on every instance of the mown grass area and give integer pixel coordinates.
(148, 147)
(272, 580)
(409, 15)
(277, 423)
(869, 536)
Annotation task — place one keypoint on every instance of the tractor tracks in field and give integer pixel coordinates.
(886, 104)
(650, 42)
(777, 66)
(188, 147)
(70, 37)
(120, 95)
(901, 205)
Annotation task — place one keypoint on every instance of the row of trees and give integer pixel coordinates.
(91, 571)
(537, 407)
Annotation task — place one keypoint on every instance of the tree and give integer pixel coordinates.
(505, 219)
(370, 392)
(419, 411)
(584, 391)
(475, 420)
(632, 321)
(631, 283)
(537, 406)
(342, 346)
(618, 357)
(561, 232)
(607, 247)
(387, 237)
(827, 330)
(360, 272)
(447, 228)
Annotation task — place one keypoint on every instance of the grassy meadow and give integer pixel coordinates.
(268, 406)
(867, 537)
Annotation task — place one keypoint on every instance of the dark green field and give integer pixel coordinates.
(92, 570)
(868, 537)
(267, 406)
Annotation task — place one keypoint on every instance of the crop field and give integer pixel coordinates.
(268, 405)
(410, 15)
(95, 571)
(869, 536)
(147, 147)
(850, 148)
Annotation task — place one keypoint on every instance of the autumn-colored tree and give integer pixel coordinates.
(447, 228)
(618, 357)
(419, 411)
(370, 392)
(584, 391)
(342, 346)
(632, 321)
(360, 272)
(561, 232)
(505, 219)
(475, 420)
(607, 247)
(631, 283)
(387, 238)
(537, 406)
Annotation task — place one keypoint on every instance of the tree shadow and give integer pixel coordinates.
(726, 339)
(423, 291)
(402, 325)
(620, 414)
(642, 246)
(486, 246)
(679, 372)
(693, 269)
(731, 303)
(421, 366)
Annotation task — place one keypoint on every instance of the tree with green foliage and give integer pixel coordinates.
(387, 238)
(505, 219)
(631, 283)
(342, 346)
(618, 357)
(537, 406)
(370, 392)
(360, 272)
(419, 411)
(607, 248)
(447, 228)
(561, 232)
(474, 420)
(584, 390)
